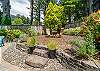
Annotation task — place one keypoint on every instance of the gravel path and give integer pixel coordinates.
(5, 66)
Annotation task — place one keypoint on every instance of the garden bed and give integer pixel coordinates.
(64, 61)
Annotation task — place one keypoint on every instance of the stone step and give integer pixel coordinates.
(40, 52)
(42, 47)
(21, 47)
(36, 61)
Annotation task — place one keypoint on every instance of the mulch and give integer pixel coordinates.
(63, 41)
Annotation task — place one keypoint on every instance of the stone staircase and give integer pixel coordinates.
(39, 58)
(41, 51)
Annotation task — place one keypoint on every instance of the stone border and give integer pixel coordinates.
(21, 47)
(66, 60)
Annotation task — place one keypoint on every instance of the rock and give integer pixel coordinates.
(41, 52)
(36, 61)
(21, 47)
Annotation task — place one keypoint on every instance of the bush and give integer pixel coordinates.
(23, 38)
(31, 41)
(84, 51)
(77, 42)
(72, 31)
(17, 21)
(31, 32)
(6, 20)
(90, 29)
(17, 33)
(3, 32)
(54, 17)
(10, 35)
(52, 45)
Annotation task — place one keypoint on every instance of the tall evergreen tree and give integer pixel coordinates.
(1, 17)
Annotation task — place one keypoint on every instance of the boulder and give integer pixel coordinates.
(36, 61)
(21, 47)
(41, 52)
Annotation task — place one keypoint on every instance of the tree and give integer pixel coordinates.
(31, 21)
(6, 20)
(24, 19)
(17, 21)
(69, 8)
(53, 18)
(0, 17)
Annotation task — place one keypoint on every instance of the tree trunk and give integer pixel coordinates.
(31, 12)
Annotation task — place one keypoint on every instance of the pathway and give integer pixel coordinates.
(5, 66)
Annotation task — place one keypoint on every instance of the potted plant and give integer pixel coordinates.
(52, 47)
(31, 42)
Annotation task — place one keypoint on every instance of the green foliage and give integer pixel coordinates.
(69, 8)
(31, 31)
(90, 29)
(24, 19)
(10, 35)
(6, 20)
(80, 12)
(78, 43)
(3, 32)
(52, 45)
(31, 41)
(72, 31)
(86, 51)
(0, 17)
(17, 33)
(54, 16)
(17, 21)
(83, 51)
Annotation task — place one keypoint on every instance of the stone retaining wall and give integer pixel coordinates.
(74, 64)
(65, 59)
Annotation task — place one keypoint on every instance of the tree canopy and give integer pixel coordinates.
(17, 21)
(53, 17)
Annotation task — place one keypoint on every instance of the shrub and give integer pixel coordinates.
(3, 32)
(17, 33)
(17, 21)
(54, 17)
(72, 31)
(31, 32)
(84, 50)
(31, 41)
(10, 35)
(52, 45)
(90, 28)
(6, 20)
(23, 38)
(77, 42)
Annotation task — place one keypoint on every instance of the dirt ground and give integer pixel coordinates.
(63, 41)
